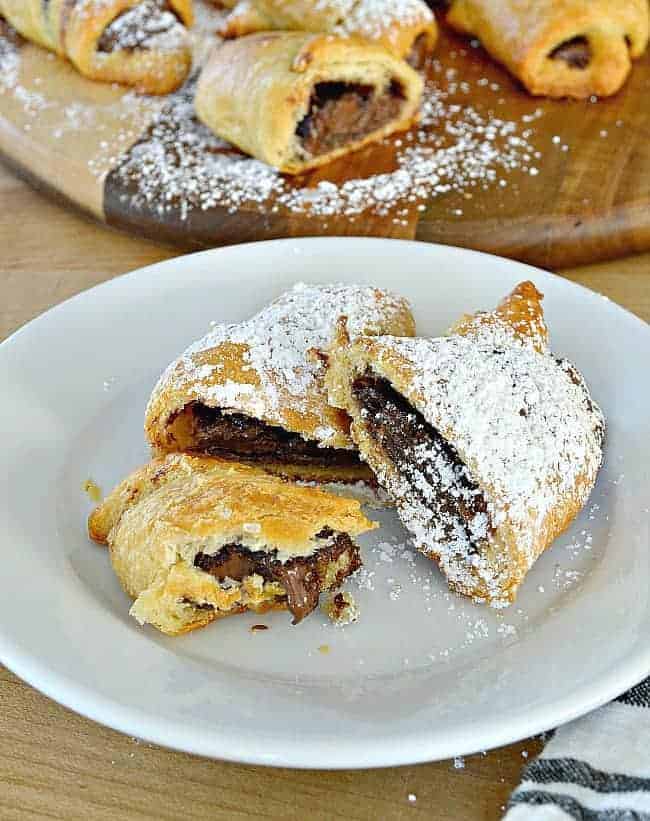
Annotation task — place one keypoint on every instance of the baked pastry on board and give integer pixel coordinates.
(407, 28)
(297, 101)
(256, 391)
(140, 43)
(488, 443)
(559, 48)
(193, 539)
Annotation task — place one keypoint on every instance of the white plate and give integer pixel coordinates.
(423, 675)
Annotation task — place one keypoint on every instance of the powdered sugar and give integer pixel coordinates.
(283, 349)
(374, 18)
(145, 26)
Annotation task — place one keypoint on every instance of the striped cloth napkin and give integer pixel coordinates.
(594, 769)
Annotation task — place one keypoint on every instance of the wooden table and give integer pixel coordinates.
(54, 764)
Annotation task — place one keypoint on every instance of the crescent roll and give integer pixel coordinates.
(559, 48)
(407, 28)
(256, 390)
(297, 101)
(488, 444)
(193, 539)
(140, 43)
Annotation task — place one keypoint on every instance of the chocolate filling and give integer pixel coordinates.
(417, 56)
(430, 465)
(236, 435)
(341, 113)
(576, 53)
(302, 577)
(137, 27)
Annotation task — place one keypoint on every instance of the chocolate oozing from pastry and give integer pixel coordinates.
(576, 53)
(302, 577)
(138, 27)
(341, 113)
(429, 465)
(234, 435)
(417, 56)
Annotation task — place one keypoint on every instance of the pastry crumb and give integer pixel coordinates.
(93, 490)
(324, 649)
(341, 608)
(258, 627)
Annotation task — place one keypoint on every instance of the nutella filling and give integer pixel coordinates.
(341, 113)
(140, 27)
(234, 435)
(302, 577)
(417, 56)
(429, 465)
(576, 53)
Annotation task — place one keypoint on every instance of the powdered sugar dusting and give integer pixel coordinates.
(283, 347)
(373, 18)
(145, 26)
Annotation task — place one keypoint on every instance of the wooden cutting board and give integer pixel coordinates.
(551, 183)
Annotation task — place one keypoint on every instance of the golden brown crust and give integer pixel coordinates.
(279, 71)
(73, 30)
(272, 368)
(524, 34)
(394, 26)
(520, 311)
(159, 518)
(512, 451)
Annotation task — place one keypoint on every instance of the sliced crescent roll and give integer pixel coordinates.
(488, 444)
(193, 539)
(255, 390)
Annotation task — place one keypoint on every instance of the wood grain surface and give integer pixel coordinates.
(57, 765)
(579, 192)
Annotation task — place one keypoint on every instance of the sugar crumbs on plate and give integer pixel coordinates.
(94, 491)
(341, 608)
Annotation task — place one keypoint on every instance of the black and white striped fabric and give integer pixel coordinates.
(594, 769)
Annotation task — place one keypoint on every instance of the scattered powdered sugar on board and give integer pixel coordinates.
(52, 111)
(9, 57)
(180, 166)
